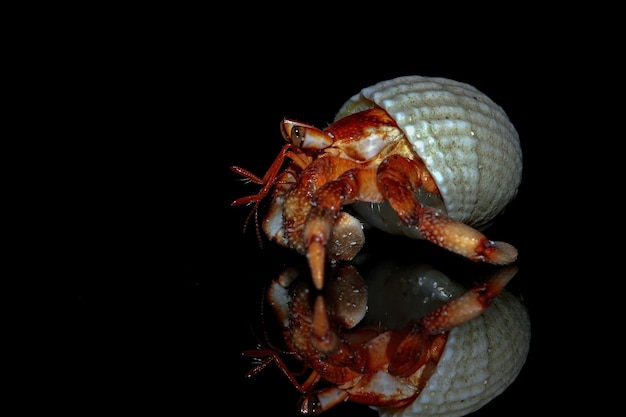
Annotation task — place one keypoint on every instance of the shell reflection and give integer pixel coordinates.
(406, 341)
(482, 357)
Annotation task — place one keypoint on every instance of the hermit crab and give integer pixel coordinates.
(426, 157)
(421, 345)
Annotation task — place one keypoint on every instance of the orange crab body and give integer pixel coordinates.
(388, 148)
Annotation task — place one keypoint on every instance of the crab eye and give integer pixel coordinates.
(291, 132)
(297, 135)
(304, 136)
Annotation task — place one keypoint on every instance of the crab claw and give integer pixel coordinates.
(340, 240)
(434, 225)
(462, 239)
(471, 304)
(316, 256)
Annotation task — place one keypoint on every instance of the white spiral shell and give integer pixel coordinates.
(482, 357)
(467, 142)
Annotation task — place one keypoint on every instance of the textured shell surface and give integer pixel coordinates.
(482, 357)
(466, 140)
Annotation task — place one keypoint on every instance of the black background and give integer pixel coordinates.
(171, 287)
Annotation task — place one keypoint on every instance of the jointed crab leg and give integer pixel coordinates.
(396, 181)
(288, 151)
(316, 220)
(399, 177)
(471, 304)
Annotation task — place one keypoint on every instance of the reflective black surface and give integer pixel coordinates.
(171, 293)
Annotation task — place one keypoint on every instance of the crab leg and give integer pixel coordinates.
(394, 173)
(309, 224)
(469, 305)
(287, 152)
(352, 185)
(423, 342)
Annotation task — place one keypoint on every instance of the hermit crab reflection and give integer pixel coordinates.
(407, 341)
